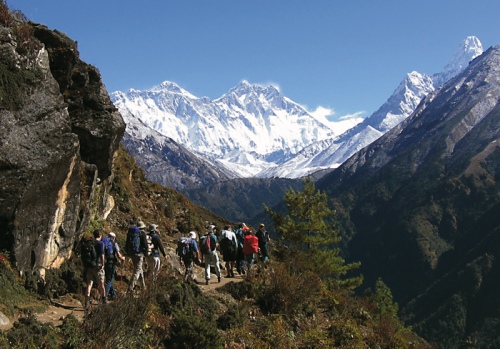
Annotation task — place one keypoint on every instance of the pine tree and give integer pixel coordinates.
(310, 230)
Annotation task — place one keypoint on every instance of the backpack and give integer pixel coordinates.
(205, 244)
(150, 245)
(184, 248)
(133, 243)
(228, 245)
(88, 253)
(109, 250)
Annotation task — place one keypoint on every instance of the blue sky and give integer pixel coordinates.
(344, 55)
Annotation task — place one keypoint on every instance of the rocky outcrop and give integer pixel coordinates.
(59, 132)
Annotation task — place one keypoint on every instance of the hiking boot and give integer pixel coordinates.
(207, 281)
(218, 278)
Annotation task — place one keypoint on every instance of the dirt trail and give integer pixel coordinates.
(60, 308)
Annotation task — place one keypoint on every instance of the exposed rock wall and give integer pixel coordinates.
(59, 132)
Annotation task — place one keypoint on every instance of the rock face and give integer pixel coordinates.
(58, 135)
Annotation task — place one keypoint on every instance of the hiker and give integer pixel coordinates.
(229, 248)
(136, 246)
(264, 240)
(112, 256)
(240, 257)
(156, 247)
(208, 247)
(93, 262)
(187, 250)
(250, 249)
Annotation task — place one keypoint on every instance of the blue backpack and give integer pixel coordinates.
(133, 243)
(109, 251)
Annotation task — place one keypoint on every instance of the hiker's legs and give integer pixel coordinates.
(101, 277)
(249, 259)
(189, 271)
(137, 260)
(90, 276)
(217, 266)
(208, 259)
(264, 252)
(109, 270)
(156, 267)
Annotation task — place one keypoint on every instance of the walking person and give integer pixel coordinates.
(240, 257)
(208, 247)
(112, 256)
(188, 252)
(264, 239)
(250, 250)
(93, 262)
(154, 258)
(229, 249)
(136, 247)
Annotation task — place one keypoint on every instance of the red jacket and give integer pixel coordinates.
(250, 244)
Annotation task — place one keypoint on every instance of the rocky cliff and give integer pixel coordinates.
(59, 132)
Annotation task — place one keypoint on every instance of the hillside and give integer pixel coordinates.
(275, 307)
(418, 208)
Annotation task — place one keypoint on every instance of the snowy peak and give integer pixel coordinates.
(401, 104)
(250, 119)
(255, 130)
(469, 49)
(171, 87)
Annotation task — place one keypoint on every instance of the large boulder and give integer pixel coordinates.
(59, 132)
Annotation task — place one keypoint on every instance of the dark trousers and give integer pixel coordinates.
(109, 270)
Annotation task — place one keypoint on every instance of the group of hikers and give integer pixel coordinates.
(241, 249)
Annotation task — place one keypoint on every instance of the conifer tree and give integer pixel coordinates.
(310, 230)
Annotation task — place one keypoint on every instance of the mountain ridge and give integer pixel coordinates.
(417, 206)
(255, 131)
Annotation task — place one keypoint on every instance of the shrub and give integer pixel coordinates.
(346, 334)
(240, 290)
(234, 317)
(289, 294)
(190, 331)
(121, 324)
(29, 333)
(73, 336)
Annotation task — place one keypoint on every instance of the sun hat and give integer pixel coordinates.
(141, 225)
(192, 234)
(111, 234)
(152, 227)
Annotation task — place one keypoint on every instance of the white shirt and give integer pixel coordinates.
(228, 234)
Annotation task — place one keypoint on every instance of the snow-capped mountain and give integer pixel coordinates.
(405, 99)
(247, 130)
(255, 131)
(166, 161)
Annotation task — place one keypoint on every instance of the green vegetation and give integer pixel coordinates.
(312, 235)
(291, 304)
